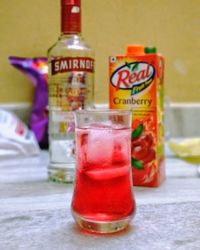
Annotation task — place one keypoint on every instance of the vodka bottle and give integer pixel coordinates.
(70, 87)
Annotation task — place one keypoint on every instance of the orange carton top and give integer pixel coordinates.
(135, 49)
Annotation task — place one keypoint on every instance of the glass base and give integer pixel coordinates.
(61, 173)
(101, 227)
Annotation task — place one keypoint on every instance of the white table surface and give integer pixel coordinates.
(35, 213)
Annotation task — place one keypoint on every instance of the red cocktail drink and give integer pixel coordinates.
(103, 199)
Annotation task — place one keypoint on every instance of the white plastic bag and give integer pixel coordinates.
(15, 138)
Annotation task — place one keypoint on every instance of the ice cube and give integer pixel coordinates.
(121, 146)
(108, 174)
(100, 146)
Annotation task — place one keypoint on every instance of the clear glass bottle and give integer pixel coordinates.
(70, 87)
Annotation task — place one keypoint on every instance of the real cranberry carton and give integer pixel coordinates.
(136, 83)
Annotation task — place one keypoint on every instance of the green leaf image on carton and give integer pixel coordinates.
(137, 132)
(137, 164)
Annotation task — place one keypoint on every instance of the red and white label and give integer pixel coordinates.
(68, 64)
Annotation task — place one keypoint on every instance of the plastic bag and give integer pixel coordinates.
(36, 70)
(15, 138)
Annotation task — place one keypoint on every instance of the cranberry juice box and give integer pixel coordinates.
(136, 83)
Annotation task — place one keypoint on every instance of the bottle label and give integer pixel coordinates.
(68, 64)
(71, 83)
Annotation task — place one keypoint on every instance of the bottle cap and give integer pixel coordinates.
(70, 16)
(150, 50)
(135, 49)
(70, 2)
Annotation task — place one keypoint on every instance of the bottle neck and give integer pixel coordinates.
(74, 36)
(70, 19)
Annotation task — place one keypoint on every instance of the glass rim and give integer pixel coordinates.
(104, 111)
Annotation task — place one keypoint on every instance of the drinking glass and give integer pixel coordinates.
(103, 199)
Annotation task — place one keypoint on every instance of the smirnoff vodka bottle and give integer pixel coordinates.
(71, 87)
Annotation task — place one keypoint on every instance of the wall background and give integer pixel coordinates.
(29, 28)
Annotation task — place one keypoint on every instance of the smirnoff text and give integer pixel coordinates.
(68, 64)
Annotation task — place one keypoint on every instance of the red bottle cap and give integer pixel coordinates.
(70, 16)
(70, 2)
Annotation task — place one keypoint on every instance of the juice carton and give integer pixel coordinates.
(136, 83)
